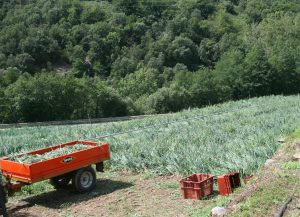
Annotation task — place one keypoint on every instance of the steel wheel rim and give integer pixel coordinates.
(86, 179)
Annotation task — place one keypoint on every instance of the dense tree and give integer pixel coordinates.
(9, 76)
(142, 56)
(164, 100)
(142, 82)
(47, 97)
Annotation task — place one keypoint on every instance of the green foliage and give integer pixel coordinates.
(9, 76)
(164, 100)
(268, 197)
(139, 83)
(34, 158)
(230, 49)
(235, 136)
(296, 134)
(182, 50)
(45, 97)
(291, 165)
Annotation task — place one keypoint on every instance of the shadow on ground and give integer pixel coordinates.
(23, 214)
(65, 197)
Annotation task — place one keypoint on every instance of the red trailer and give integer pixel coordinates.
(75, 167)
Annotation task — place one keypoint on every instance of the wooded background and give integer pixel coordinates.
(71, 59)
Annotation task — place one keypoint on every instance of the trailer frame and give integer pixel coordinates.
(76, 166)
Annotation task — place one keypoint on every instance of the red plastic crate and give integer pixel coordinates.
(197, 186)
(228, 182)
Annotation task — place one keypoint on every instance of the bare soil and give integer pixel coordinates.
(120, 194)
(127, 194)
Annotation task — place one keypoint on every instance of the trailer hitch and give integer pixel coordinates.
(100, 167)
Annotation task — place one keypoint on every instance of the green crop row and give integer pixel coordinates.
(235, 136)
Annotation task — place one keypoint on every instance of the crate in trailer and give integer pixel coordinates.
(197, 186)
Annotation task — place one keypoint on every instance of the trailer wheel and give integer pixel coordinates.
(60, 182)
(84, 180)
(3, 200)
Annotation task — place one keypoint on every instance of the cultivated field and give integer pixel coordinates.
(232, 136)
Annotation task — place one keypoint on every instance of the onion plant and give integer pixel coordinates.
(234, 136)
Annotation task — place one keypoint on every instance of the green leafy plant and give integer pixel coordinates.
(235, 136)
(34, 158)
(291, 165)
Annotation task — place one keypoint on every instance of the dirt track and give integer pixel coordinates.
(127, 194)
(120, 194)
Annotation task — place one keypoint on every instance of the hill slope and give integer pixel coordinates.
(232, 136)
(89, 59)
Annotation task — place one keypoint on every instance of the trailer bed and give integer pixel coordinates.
(47, 169)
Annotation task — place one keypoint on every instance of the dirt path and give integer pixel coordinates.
(118, 194)
(126, 194)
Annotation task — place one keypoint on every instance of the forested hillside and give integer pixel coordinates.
(70, 59)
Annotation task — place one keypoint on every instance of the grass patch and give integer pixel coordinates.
(267, 197)
(34, 189)
(291, 165)
(168, 185)
(295, 134)
(206, 210)
(147, 175)
(272, 194)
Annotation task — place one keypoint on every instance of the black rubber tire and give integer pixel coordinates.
(60, 182)
(3, 200)
(84, 180)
